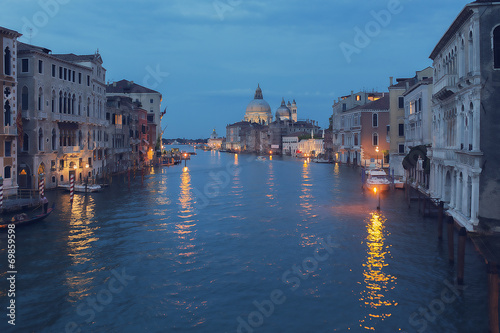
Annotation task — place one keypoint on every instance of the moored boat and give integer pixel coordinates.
(82, 187)
(377, 178)
(22, 219)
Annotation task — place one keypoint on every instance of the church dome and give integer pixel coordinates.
(258, 104)
(283, 111)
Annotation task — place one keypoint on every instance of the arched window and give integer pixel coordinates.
(60, 102)
(6, 172)
(53, 109)
(7, 61)
(26, 142)
(80, 105)
(7, 114)
(375, 139)
(496, 48)
(375, 120)
(471, 52)
(65, 103)
(40, 99)
(40, 139)
(73, 102)
(80, 139)
(88, 107)
(471, 125)
(24, 98)
(54, 139)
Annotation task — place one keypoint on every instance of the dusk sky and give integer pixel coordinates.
(207, 57)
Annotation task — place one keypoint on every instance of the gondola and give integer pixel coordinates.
(26, 221)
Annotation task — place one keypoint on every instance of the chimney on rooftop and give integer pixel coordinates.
(407, 84)
(391, 79)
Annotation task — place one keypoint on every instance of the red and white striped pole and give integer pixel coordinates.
(1, 192)
(41, 185)
(71, 187)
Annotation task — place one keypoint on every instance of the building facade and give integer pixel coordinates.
(360, 131)
(149, 99)
(465, 117)
(63, 105)
(9, 116)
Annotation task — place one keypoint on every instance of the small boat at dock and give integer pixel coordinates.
(377, 178)
(82, 187)
(22, 219)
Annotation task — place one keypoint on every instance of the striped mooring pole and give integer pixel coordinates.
(1, 192)
(41, 185)
(71, 187)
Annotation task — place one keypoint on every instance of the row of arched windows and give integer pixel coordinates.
(65, 103)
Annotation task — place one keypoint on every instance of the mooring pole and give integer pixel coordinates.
(462, 237)
(451, 254)
(493, 296)
(440, 220)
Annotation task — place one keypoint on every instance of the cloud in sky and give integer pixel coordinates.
(217, 51)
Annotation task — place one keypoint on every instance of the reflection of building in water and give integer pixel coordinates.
(376, 282)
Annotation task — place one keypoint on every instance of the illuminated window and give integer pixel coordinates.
(358, 97)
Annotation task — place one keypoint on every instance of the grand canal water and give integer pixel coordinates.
(233, 244)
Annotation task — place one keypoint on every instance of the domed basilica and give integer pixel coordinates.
(259, 111)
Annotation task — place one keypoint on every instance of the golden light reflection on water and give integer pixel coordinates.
(235, 159)
(376, 282)
(185, 228)
(81, 237)
(270, 185)
(306, 206)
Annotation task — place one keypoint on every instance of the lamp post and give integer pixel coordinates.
(377, 191)
(376, 149)
(185, 159)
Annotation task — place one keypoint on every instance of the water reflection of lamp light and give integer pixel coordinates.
(377, 283)
(375, 190)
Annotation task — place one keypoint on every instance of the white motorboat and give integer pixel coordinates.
(261, 158)
(82, 188)
(377, 178)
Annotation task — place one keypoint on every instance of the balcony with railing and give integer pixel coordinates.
(9, 130)
(69, 149)
(446, 86)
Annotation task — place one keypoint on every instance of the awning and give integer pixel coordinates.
(145, 141)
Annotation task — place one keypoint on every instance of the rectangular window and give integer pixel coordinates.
(88, 80)
(74, 74)
(496, 48)
(420, 104)
(151, 100)
(40, 66)
(80, 78)
(53, 70)
(60, 72)
(25, 65)
(401, 130)
(401, 102)
(388, 130)
(8, 146)
(401, 149)
(65, 73)
(375, 139)
(151, 118)
(344, 107)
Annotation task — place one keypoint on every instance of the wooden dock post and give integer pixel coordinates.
(493, 296)
(440, 220)
(462, 237)
(451, 254)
